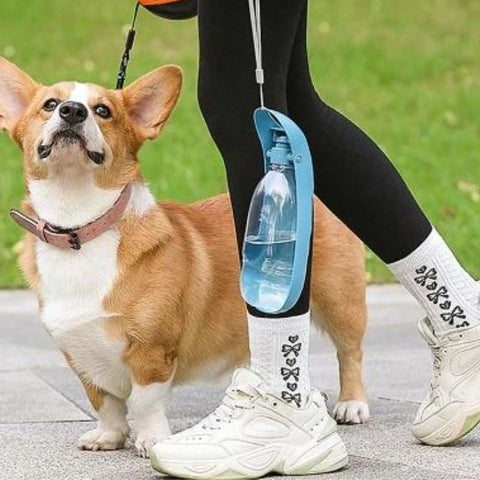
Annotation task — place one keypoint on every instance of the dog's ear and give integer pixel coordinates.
(16, 92)
(151, 99)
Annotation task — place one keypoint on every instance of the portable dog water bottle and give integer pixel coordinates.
(279, 225)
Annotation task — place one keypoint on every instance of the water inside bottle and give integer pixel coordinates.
(271, 264)
(270, 240)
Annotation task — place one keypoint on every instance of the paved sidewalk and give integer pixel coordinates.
(43, 409)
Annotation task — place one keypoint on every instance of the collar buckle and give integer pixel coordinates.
(74, 240)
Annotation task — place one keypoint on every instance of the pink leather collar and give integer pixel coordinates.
(74, 238)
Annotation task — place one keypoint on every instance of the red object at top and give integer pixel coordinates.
(155, 2)
(171, 9)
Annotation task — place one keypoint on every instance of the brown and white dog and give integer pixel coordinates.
(151, 298)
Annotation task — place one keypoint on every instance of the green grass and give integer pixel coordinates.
(408, 72)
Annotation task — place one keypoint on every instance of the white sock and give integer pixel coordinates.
(436, 279)
(279, 354)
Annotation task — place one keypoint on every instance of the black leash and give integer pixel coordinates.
(122, 72)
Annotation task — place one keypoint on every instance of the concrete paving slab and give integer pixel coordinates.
(367, 469)
(17, 301)
(24, 342)
(63, 380)
(387, 437)
(48, 451)
(36, 385)
(25, 398)
(397, 364)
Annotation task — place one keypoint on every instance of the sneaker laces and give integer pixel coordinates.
(437, 353)
(238, 397)
(436, 348)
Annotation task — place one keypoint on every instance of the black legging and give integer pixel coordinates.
(353, 177)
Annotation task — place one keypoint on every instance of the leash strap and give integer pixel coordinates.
(122, 72)
(254, 7)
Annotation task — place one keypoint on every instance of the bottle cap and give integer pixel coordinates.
(280, 153)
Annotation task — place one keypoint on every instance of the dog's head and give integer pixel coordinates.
(90, 132)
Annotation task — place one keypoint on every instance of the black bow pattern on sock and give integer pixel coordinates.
(450, 317)
(287, 373)
(288, 349)
(291, 353)
(288, 397)
(434, 297)
(427, 277)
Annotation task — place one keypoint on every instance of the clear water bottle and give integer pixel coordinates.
(270, 238)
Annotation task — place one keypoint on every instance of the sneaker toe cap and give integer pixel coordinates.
(440, 426)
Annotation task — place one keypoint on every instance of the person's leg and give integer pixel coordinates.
(269, 420)
(228, 96)
(354, 178)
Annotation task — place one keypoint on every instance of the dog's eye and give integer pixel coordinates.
(102, 111)
(51, 104)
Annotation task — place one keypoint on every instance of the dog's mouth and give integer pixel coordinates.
(69, 137)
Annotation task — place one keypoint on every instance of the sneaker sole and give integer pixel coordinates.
(326, 455)
(453, 430)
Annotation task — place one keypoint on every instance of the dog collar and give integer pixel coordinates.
(74, 238)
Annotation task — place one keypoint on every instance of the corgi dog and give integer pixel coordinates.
(140, 295)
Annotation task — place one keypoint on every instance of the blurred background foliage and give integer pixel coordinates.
(407, 72)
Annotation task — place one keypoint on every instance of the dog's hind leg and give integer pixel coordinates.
(338, 305)
(345, 324)
(112, 429)
(352, 406)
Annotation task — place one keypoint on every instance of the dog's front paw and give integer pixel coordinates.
(146, 440)
(351, 412)
(100, 439)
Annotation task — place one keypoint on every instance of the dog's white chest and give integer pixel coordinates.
(73, 285)
(97, 356)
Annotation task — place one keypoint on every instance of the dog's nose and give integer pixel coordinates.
(73, 112)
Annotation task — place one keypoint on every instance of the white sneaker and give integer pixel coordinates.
(253, 433)
(451, 408)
